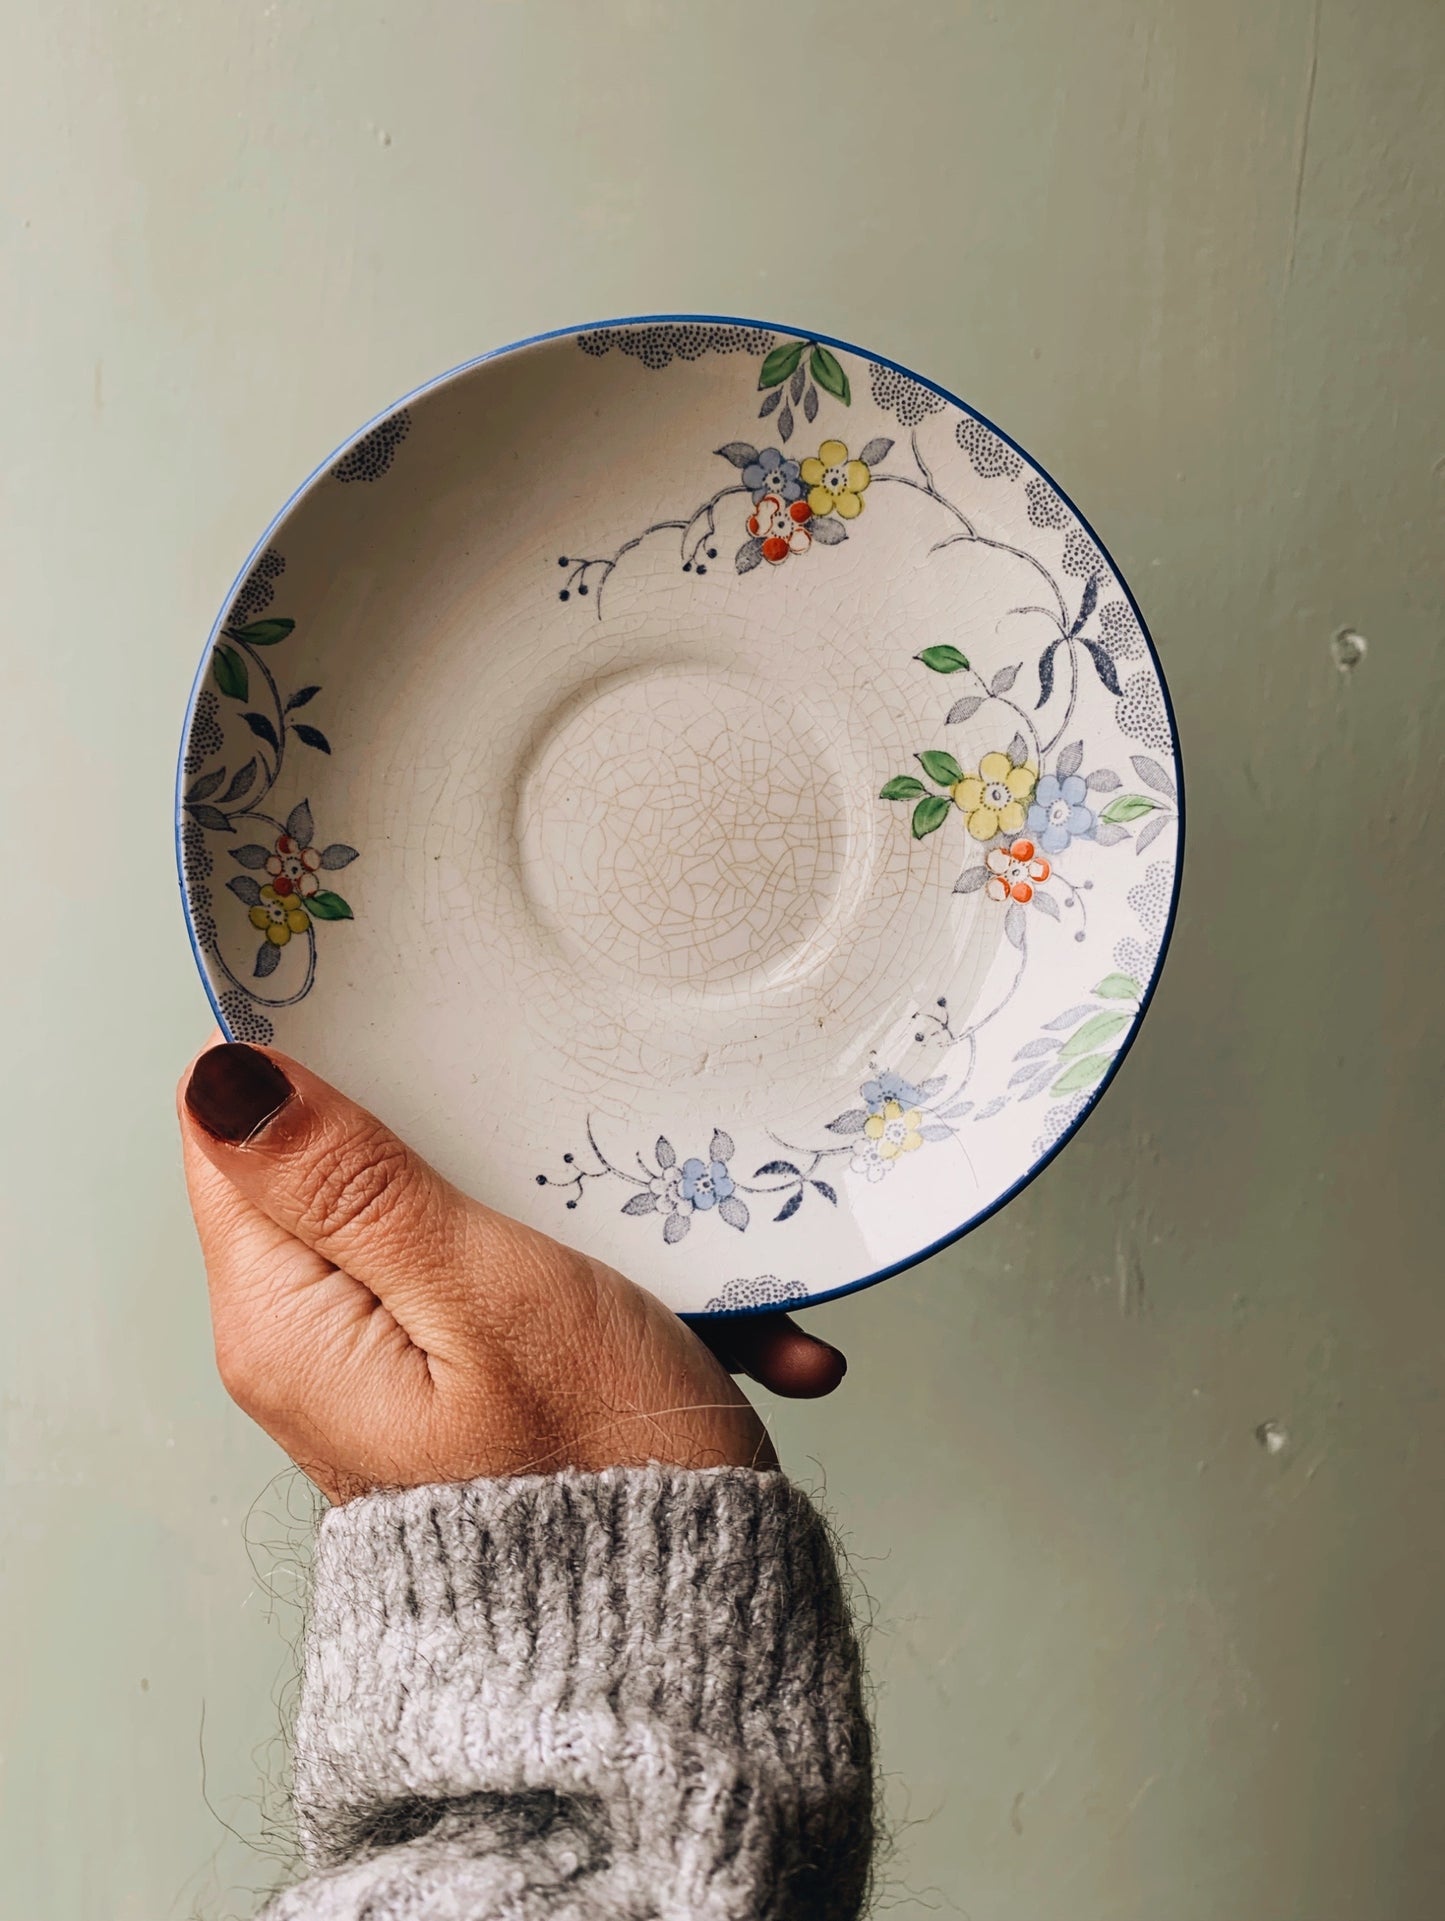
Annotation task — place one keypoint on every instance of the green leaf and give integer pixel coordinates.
(1083, 1073)
(263, 633)
(1094, 1033)
(230, 672)
(941, 768)
(1118, 987)
(943, 660)
(829, 374)
(1128, 807)
(902, 787)
(327, 906)
(930, 814)
(781, 362)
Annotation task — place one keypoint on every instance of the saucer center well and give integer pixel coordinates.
(684, 829)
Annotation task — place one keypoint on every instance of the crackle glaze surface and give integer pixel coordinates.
(706, 787)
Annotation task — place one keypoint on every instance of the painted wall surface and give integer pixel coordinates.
(1146, 1479)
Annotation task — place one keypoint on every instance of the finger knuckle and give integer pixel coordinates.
(355, 1182)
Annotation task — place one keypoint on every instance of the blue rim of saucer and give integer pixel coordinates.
(1032, 1172)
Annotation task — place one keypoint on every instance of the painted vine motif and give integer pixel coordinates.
(894, 1118)
(1021, 810)
(283, 883)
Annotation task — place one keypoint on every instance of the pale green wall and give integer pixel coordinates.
(1130, 1665)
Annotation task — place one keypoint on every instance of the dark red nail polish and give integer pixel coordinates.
(234, 1090)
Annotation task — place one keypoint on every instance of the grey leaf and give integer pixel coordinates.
(785, 425)
(739, 452)
(1070, 759)
(796, 386)
(641, 1204)
(1046, 903)
(810, 403)
(251, 855)
(1103, 780)
(267, 959)
(1107, 834)
(964, 709)
(338, 854)
(1013, 924)
(207, 785)
(748, 556)
(1071, 1019)
(971, 879)
(1150, 831)
(722, 1146)
(774, 1167)
(773, 401)
(828, 1193)
(850, 1123)
(935, 1085)
(1034, 1048)
(935, 1131)
(789, 1207)
(828, 529)
(1026, 1073)
(674, 1227)
(212, 817)
(956, 1112)
(1104, 665)
(241, 785)
(734, 1212)
(299, 824)
(1018, 750)
(1003, 680)
(245, 889)
(995, 1106)
(876, 451)
(1040, 1086)
(1153, 775)
(665, 1153)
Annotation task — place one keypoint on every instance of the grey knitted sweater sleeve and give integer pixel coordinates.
(631, 1695)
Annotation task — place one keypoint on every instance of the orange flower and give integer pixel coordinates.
(1015, 871)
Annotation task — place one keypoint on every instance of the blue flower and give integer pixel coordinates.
(770, 473)
(1058, 814)
(889, 1087)
(705, 1183)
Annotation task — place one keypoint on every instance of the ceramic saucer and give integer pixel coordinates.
(701, 783)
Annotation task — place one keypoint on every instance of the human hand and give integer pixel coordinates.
(387, 1331)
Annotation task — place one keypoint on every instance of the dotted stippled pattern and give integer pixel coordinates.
(196, 858)
(1136, 958)
(1045, 507)
(1081, 557)
(657, 347)
(205, 735)
(203, 919)
(905, 399)
(245, 1021)
(258, 589)
(989, 456)
(1059, 1120)
(1141, 713)
(373, 454)
(764, 1290)
(1150, 899)
(1121, 631)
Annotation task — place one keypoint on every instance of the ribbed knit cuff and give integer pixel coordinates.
(668, 1647)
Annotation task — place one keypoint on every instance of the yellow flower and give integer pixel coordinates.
(895, 1132)
(995, 799)
(279, 919)
(834, 482)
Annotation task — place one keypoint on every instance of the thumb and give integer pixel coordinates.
(334, 1177)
